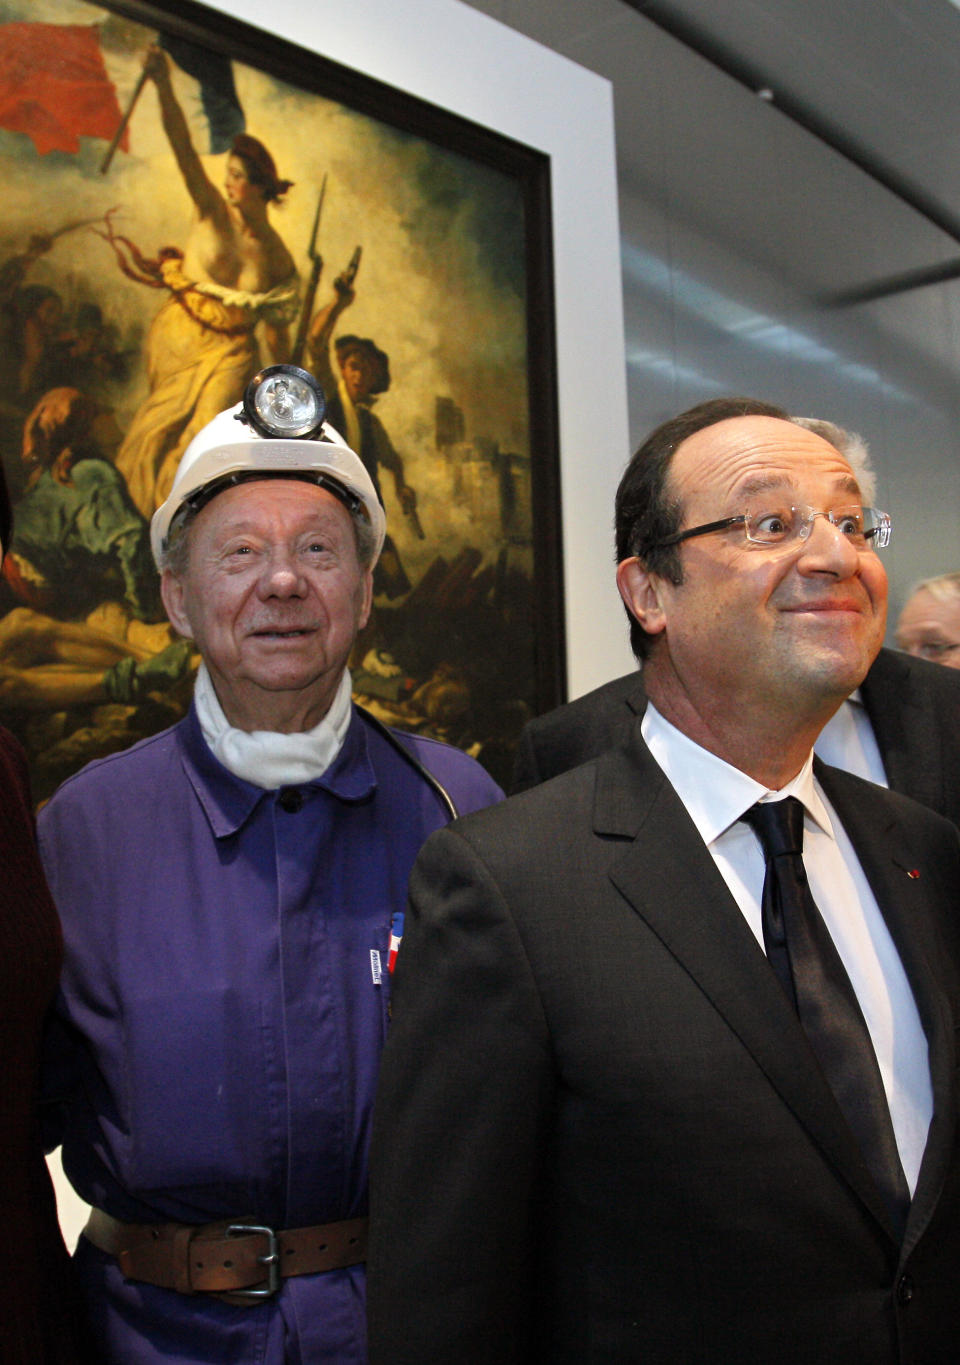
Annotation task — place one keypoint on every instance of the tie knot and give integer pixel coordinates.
(778, 825)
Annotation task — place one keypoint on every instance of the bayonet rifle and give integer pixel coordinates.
(310, 293)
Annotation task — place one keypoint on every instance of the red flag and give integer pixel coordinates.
(54, 86)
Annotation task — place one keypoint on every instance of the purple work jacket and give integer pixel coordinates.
(216, 1040)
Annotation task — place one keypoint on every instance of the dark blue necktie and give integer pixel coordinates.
(803, 955)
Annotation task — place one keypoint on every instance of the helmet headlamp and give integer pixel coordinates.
(284, 401)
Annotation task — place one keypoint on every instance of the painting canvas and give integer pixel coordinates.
(399, 253)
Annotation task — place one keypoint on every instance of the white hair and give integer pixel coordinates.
(852, 447)
(944, 587)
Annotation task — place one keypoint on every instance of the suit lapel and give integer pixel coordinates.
(669, 878)
(888, 863)
(902, 725)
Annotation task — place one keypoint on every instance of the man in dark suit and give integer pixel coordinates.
(617, 1121)
(912, 707)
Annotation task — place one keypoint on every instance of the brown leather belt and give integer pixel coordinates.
(242, 1260)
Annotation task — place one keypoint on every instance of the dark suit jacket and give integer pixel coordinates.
(914, 708)
(601, 1135)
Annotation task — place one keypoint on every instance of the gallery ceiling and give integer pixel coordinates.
(874, 79)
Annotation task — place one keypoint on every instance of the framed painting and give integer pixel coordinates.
(400, 252)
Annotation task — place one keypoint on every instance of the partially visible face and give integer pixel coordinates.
(49, 314)
(767, 626)
(238, 186)
(274, 596)
(929, 628)
(359, 375)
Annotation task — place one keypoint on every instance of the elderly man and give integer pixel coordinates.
(230, 892)
(929, 625)
(900, 728)
(671, 1076)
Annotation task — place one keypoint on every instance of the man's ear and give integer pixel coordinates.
(174, 600)
(366, 601)
(642, 595)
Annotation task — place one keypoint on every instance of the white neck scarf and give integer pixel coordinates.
(268, 758)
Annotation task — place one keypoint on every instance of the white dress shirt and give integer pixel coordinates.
(715, 795)
(847, 741)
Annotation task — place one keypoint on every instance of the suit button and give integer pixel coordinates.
(291, 800)
(905, 1289)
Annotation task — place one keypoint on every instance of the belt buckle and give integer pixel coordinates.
(270, 1261)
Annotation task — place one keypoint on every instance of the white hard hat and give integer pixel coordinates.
(229, 445)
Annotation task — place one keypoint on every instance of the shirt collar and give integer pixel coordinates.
(229, 801)
(714, 792)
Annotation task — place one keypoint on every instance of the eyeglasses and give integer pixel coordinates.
(865, 527)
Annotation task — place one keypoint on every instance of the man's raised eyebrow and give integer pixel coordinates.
(766, 483)
(769, 483)
(849, 484)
